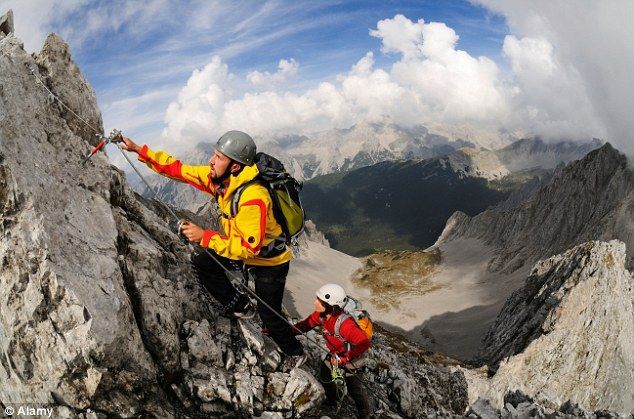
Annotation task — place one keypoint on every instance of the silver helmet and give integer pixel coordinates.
(238, 146)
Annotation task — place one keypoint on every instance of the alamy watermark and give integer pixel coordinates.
(28, 411)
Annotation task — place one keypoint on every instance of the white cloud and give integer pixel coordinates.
(287, 69)
(200, 104)
(432, 82)
(568, 69)
(400, 35)
(592, 58)
(548, 98)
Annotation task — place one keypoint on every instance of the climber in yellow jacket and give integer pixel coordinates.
(247, 241)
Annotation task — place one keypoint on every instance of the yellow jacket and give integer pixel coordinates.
(253, 226)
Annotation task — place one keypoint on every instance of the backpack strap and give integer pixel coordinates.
(278, 244)
(235, 200)
(342, 317)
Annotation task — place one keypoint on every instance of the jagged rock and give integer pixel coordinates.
(303, 391)
(590, 199)
(212, 389)
(62, 76)
(482, 409)
(252, 336)
(274, 390)
(523, 407)
(271, 415)
(249, 392)
(515, 397)
(202, 346)
(63, 294)
(6, 23)
(568, 333)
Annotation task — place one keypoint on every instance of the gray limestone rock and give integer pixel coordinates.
(303, 391)
(482, 409)
(6, 23)
(252, 336)
(590, 199)
(568, 333)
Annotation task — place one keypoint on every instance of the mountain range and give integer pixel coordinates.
(102, 316)
(402, 205)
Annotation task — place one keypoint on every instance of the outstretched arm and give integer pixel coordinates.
(307, 324)
(166, 165)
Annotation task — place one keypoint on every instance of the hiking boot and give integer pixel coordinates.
(293, 361)
(245, 312)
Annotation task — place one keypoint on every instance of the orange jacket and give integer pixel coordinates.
(253, 226)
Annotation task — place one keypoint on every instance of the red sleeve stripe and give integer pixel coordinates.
(262, 206)
(143, 153)
(207, 235)
(172, 170)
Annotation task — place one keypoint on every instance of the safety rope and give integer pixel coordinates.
(338, 378)
(234, 279)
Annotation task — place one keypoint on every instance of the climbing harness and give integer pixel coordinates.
(338, 378)
(116, 138)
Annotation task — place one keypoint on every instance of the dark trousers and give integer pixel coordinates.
(354, 384)
(269, 286)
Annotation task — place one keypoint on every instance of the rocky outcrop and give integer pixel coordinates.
(6, 23)
(99, 308)
(517, 405)
(590, 199)
(569, 332)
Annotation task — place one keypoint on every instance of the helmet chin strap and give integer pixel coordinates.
(227, 173)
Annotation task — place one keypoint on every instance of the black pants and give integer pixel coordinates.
(354, 384)
(269, 286)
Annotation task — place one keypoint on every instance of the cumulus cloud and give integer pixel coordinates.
(200, 104)
(432, 81)
(400, 35)
(548, 97)
(287, 69)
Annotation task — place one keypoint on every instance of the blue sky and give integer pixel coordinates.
(183, 71)
(154, 49)
(325, 37)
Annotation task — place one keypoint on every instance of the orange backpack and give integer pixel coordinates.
(353, 309)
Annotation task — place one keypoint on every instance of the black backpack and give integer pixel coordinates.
(287, 206)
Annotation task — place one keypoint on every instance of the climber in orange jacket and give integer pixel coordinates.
(346, 348)
(247, 241)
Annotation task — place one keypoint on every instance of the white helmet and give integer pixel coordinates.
(332, 294)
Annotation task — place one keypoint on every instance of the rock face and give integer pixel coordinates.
(569, 332)
(6, 23)
(99, 308)
(590, 199)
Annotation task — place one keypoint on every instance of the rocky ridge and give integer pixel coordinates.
(590, 199)
(567, 334)
(100, 314)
